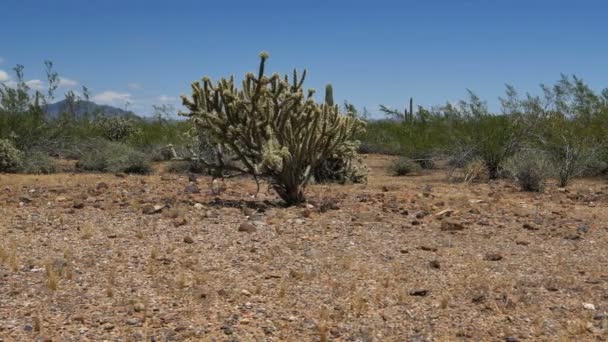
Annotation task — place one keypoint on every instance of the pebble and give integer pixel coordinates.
(493, 257)
(588, 306)
(78, 204)
(450, 226)
(132, 321)
(192, 189)
(188, 239)
(139, 307)
(419, 292)
(247, 227)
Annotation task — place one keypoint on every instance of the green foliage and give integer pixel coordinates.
(10, 157)
(38, 162)
(404, 166)
(269, 128)
(115, 128)
(114, 157)
(530, 168)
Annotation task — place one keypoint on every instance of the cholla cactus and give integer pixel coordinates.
(269, 128)
(10, 156)
(115, 128)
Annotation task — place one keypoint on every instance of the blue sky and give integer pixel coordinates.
(373, 52)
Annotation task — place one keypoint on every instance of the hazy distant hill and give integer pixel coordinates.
(81, 108)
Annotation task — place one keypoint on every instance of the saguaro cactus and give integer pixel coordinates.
(269, 128)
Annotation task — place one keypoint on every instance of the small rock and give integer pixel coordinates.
(132, 321)
(298, 221)
(25, 199)
(600, 316)
(419, 292)
(247, 227)
(227, 329)
(188, 239)
(28, 328)
(420, 214)
(179, 221)
(451, 226)
(139, 307)
(583, 228)
(61, 199)
(192, 189)
(588, 306)
(573, 237)
(312, 253)
(198, 206)
(493, 257)
(435, 264)
(78, 204)
(528, 226)
(120, 174)
(108, 326)
(101, 186)
(511, 339)
(150, 209)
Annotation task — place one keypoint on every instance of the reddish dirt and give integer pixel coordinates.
(399, 259)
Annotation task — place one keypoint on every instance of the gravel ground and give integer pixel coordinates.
(149, 258)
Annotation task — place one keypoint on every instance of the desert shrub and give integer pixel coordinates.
(186, 166)
(38, 162)
(491, 138)
(404, 166)
(475, 170)
(10, 157)
(115, 157)
(271, 128)
(115, 128)
(530, 168)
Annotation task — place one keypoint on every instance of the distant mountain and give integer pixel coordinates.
(82, 108)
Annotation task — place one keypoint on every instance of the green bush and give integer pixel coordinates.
(10, 157)
(38, 162)
(115, 157)
(404, 166)
(530, 168)
(115, 128)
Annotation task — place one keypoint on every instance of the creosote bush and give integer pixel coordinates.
(10, 157)
(38, 162)
(404, 166)
(115, 157)
(270, 128)
(530, 168)
(115, 128)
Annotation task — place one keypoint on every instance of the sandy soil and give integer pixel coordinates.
(104, 258)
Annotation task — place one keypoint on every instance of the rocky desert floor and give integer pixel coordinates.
(92, 257)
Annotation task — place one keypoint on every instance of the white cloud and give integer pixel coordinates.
(112, 98)
(166, 99)
(134, 86)
(66, 82)
(35, 84)
(4, 76)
